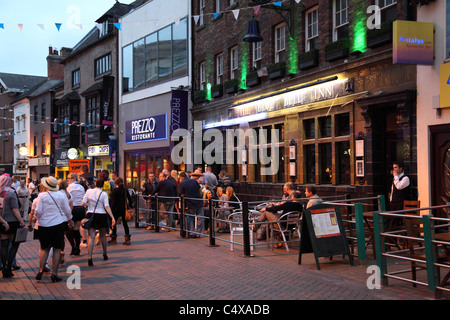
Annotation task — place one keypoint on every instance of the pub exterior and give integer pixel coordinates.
(326, 83)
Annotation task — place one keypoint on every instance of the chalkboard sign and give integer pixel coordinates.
(323, 233)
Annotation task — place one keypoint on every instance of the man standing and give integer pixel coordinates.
(190, 188)
(400, 189)
(147, 191)
(167, 191)
(86, 178)
(210, 179)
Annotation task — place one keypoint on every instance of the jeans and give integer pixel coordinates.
(191, 219)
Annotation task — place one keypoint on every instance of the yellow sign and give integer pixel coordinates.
(413, 42)
(444, 84)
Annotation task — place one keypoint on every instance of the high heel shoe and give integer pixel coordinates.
(55, 278)
(39, 275)
(105, 256)
(7, 273)
(90, 263)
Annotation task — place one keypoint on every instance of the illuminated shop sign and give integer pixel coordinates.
(413, 42)
(147, 129)
(101, 150)
(444, 94)
(292, 98)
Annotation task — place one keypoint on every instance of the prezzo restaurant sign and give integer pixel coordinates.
(146, 129)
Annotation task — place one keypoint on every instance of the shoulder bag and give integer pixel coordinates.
(129, 212)
(87, 222)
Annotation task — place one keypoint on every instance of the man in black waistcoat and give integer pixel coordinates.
(400, 189)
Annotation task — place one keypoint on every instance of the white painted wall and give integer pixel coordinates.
(428, 97)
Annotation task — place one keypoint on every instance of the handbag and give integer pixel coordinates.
(86, 223)
(129, 212)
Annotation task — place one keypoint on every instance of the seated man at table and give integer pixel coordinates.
(272, 213)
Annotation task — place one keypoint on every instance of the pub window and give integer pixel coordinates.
(202, 5)
(219, 68)
(36, 115)
(43, 149)
(165, 54)
(256, 54)
(325, 163)
(388, 10)
(343, 162)
(202, 71)
(325, 127)
(309, 129)
(312, 29)
(280, 43)
(103, 65)
(309, 154)
(340, 21)
(342, 124)
(35, 146)
(234, 62)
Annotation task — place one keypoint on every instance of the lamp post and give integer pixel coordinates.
(286, 12)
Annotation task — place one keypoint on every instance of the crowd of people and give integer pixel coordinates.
(78, 209)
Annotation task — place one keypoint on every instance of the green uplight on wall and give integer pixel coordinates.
(359, 32)
(208, 91)
(244, 66)
(293, 56)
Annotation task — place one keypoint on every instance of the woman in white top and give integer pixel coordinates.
(24, 199)
(98, 208)
(78, 211)
(53, 214)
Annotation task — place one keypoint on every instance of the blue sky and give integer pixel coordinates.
(25, 52)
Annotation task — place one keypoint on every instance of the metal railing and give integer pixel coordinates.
(386, 242)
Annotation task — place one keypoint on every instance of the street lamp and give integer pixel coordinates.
(287, 13)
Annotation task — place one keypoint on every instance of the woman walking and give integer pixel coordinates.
(24, 198)
(119, 198)
(10, 214)
(78, 211)
(98, 210)
(53, 214)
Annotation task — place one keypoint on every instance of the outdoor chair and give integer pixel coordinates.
(236, 223)
(286, 226)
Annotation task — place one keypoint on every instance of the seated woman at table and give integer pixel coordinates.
(273, 213)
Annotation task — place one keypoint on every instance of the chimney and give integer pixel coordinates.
(55, 70)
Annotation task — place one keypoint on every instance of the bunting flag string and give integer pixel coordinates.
(157, 22)
(56, 122)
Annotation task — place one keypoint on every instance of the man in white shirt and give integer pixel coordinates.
(78, 212)
(400, 189)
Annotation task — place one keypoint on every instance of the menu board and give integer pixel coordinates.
(323, 233)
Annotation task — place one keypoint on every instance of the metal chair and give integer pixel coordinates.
(237, 227)
(286, 225)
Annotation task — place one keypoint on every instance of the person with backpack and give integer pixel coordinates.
(86, 178)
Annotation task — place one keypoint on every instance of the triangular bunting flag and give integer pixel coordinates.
(117, 25)
(20, 25)
(58, 26)
(298, 1)
(177, 21)
(278, 4)
(2, 25)
(196, 18)
(256, 9)
(235, 13)
(41, 25)
(215, 14)
(78, 25)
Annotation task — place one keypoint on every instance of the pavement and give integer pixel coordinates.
(167, 268)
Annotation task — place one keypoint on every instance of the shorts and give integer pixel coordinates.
(99, 221)
(52, 237)
(78, 213)
(13, 226)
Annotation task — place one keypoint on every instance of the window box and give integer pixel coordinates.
(231, 86)
(336, 50)
(199, 96)
(216, 90)
(308, 59)
(276, 70)
(378, 37)
(253, 79)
